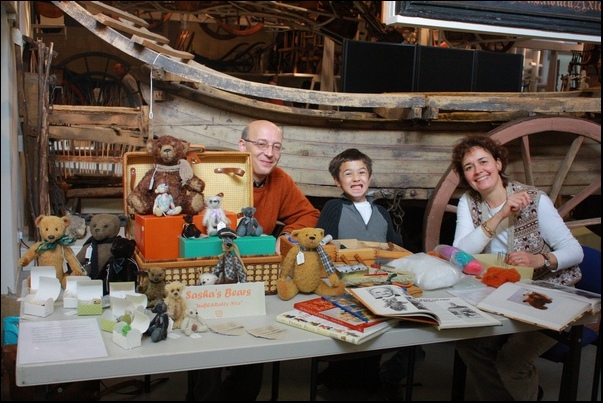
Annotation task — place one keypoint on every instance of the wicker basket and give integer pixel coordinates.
(188, 271)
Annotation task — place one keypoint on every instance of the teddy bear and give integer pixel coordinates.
(121, 266)
(152, 284)
(189, 229)
(249, 225)
(164, 202)
(160, 324)
(96, 251)
(173, 297)
(193, 323)
(214, 215)
(302, 266)
(207, 279)
(54, 249)
(171, 168)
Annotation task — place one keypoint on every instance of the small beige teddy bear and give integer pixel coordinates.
(176, 303)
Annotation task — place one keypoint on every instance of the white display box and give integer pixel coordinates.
(41, 303)
(70, 293)
(131, 338)
(90, 297)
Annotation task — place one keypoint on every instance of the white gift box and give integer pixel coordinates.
(132, 337)
(41, 302)
(90, 297)
(70, 293)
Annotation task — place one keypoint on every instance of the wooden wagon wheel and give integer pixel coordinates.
(575, 132)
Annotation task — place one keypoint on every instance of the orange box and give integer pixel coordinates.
(157, 237)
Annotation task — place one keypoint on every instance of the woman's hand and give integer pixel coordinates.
(515, 203)
(524, 259)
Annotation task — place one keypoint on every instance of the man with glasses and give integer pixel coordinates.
(277, 199)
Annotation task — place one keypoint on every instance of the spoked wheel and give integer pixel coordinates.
(89, 79)
(559, 155)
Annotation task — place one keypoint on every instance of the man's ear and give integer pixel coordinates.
(242, 146)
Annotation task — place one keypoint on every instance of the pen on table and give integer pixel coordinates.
(347, 309)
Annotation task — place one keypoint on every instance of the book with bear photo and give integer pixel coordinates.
(444, 313)
(341, 309)
(548, 306)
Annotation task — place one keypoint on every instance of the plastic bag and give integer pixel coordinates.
(431, 272)
(463, 260)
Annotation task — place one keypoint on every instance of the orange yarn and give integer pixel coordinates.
(497, 276)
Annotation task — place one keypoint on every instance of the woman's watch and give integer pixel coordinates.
(547, 262)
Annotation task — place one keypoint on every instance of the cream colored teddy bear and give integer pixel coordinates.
(193, 323)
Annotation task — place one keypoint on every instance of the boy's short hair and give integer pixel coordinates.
(351, 154)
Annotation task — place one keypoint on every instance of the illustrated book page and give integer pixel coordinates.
(535, 305)
(309, 322)
(592, 298)
(341, 309)
(443, 313)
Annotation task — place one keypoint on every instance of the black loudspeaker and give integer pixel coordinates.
(497, 72)
(443, 69)
(375, 67)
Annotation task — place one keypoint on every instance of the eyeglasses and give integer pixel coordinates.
(264, 145)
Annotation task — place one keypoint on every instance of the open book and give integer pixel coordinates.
(550, 308)
(445, 313)
(309, 322)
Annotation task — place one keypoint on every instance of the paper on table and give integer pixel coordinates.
(60, 340)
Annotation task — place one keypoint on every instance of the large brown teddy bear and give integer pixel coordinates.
(171, 168)
(96, 251)
(305, 273)
(54, 249)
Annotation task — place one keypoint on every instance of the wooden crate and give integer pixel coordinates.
(188, 271)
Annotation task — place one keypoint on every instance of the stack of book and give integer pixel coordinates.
(340, 317)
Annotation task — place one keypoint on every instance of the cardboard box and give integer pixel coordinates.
(262, 245)
(90, 297)
(70, 293)
(157, 238)
(130, 336)
(200, 247)
(41, 302)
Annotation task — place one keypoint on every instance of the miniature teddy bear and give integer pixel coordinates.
(160, 324)
(164, 202)
(304, 265)
(175, 301)
(193, 323)
(249, 225)
(121, 266)
(152, 284)
(230, 268)
(214, 215)
(189, 229)
(96, 251)
(207, 279)
(54, 249)
(171, 168)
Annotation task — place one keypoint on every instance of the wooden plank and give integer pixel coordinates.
(131, 29)
(107, 9)
(100, 134)
(164, 49)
